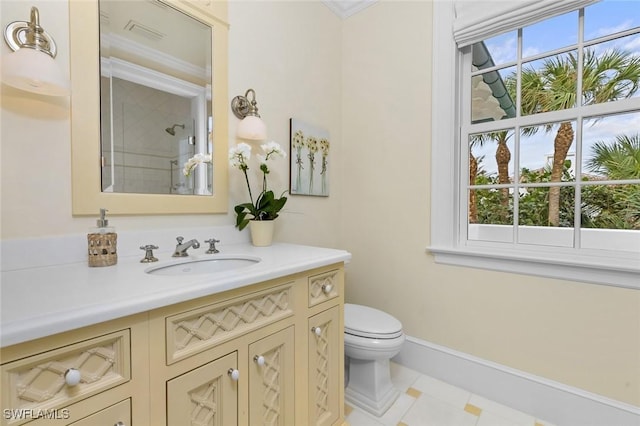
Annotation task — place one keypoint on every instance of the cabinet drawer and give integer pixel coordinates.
(194, 331)
(119, 413)
(323, 287)
(38, 382)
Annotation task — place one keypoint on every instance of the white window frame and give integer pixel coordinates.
(613, 268)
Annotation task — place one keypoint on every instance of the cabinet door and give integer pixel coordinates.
(117, 414)
(271, 380)
(206, 396)
(325, 335)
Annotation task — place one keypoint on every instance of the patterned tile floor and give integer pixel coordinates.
(426, 401)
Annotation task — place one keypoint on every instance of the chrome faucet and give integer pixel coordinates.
(181, 249)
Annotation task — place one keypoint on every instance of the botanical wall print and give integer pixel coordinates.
(309, 159)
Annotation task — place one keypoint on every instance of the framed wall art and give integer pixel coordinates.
(310, 149)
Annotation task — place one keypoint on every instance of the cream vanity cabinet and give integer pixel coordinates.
(92, 376)
(270, 354)
(267, 353)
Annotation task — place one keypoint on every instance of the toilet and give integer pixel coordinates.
(371, 339)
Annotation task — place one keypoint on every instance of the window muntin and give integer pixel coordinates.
(493, 214)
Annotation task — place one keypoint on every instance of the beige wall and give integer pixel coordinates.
(289, 53)
(275, 48)
(367, 80)
(583, 335)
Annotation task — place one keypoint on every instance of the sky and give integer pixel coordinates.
(602, 18)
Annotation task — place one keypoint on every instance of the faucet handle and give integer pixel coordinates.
(148, 254)
(212, 246)
(180, 239)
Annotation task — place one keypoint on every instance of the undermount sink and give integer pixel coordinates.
(203, 266)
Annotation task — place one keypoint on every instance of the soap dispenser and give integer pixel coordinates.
(102, 243)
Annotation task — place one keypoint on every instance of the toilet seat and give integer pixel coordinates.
(367, 322)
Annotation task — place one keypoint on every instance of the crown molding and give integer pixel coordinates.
(346, 8)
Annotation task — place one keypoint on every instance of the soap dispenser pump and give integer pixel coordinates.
(102, 243)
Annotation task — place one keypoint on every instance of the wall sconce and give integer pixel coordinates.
(251, 125)
(31, 66)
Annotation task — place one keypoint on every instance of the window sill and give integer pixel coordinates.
(589, 269)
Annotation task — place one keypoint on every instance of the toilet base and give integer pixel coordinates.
(370, 386)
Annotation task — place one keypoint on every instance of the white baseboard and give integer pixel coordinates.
(543, 398)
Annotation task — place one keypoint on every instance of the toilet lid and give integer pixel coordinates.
(369, 322)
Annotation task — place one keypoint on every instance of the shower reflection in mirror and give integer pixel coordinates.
(155, 100)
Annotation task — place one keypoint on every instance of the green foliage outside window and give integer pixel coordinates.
(602, 206)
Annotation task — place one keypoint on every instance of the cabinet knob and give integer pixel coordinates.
(119, 424)
(72, 376)
(234, 374)
(259, 359)
(326, 288)
(317, 331)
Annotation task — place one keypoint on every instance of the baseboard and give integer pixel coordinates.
(543, 398)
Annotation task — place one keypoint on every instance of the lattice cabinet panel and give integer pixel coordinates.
(325, 337)
(271, 380)
(39, 382)
(194, 331)
(206, 396)
(324, 287)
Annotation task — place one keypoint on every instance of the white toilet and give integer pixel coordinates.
(371, 339)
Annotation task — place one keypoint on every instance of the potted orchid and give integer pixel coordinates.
(265, 207)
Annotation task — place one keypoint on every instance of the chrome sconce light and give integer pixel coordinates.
(251, 125)
(31, 66)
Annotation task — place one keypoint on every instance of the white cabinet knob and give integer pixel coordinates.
(259, 359)
(119, 424)
(317, 331)
(326, 288)
(234, 374)
(72, 376)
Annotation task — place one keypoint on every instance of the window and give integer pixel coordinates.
(545, 168)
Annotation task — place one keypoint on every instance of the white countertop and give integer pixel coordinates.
(41, 301)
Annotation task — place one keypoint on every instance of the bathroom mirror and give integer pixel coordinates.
(149, 92)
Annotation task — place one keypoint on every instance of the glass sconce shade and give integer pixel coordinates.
(252, 127)
(34, 71)
(31, 65)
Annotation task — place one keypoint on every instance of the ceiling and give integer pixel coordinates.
(346, 8)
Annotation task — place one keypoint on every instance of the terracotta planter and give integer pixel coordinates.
(261, 232)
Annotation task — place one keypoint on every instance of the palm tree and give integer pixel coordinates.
(617, 160)
(503, 156)
(473, 174)
(611, 76)
(615, 206)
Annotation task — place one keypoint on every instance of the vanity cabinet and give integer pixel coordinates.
(117, 415)
(267, 353)
(271, 379)
(324, 364)
(205, 395)
(94, 375)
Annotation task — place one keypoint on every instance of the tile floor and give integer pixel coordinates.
(426, 401)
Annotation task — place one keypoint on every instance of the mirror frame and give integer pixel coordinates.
(87, 196)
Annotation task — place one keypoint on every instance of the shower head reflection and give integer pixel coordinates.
(172, 130)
